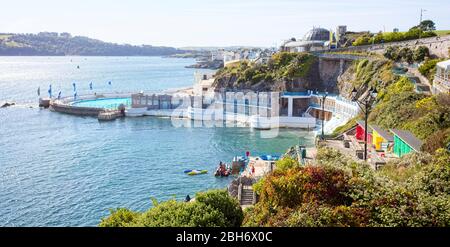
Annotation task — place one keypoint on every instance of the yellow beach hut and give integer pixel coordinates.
(381, 139)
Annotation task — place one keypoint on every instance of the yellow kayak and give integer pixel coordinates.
(197, 172)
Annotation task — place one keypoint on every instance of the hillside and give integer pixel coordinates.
(283, 72)
(63, 44)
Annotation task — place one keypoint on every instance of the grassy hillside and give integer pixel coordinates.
(442, 32)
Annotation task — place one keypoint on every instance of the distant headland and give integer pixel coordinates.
(64, 44)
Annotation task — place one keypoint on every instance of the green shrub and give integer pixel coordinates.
(421, 53)
(120, 217)
(428, 68)
(220, 200)
(209, 209)
(387, 37)
(286, 163)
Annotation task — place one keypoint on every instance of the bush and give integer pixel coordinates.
(428, 68)
(222, 202)
(286, 164)
(410, 192)
(214, 208)
(421, 53)
(405, 54)
(387, 37)
(120, 217)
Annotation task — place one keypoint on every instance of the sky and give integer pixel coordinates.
(181, 23)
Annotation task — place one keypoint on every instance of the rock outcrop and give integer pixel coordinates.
(7, 104)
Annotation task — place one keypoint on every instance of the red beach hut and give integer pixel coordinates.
(360, 129)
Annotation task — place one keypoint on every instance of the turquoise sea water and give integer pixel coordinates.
(108, 103)
(63, 170)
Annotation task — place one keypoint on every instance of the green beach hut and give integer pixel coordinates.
(405, 142)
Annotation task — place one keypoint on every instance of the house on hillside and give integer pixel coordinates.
(405, 142)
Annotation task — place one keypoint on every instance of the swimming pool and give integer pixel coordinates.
(106, 103)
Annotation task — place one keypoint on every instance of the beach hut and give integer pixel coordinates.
(381, 139)
(405, 142)
(360, 131)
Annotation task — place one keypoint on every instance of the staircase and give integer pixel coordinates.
(246, 196)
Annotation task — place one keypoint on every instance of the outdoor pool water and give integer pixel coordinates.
(107, 103)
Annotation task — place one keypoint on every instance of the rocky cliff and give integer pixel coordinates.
(292, 72)
(284, 72)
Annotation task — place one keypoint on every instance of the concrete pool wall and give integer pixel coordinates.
(65, 105)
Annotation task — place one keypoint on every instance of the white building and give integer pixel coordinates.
(314, 40)
(441, 82)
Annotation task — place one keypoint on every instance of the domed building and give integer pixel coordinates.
(317, 34)
(314, 40)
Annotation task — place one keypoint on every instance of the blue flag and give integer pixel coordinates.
(90, 85)
(59, 95)
(50, 90)
(74, 87)
(39, 91)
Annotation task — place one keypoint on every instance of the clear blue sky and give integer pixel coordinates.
(210, 22)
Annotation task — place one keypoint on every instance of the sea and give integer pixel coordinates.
(64, 170)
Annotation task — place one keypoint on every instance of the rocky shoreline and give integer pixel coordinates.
(215, 64)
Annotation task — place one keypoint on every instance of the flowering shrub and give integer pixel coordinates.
(340, 192)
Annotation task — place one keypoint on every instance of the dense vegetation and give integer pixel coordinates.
(54, 44)
(424, 30)
(406, 54)
(209, 209)
(282, 66)
(393, 37)
(399, 106)
(371, 73)
(340, 192)
(428, 68)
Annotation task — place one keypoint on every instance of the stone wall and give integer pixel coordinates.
(438, 46)
(81, 111)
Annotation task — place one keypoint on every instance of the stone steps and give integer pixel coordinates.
(247, 196)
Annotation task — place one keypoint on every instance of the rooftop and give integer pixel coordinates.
(383, 133)
(319, 34)
(408, 138)
(362, 124)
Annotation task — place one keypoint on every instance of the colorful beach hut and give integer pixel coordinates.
(381, 139)
(360, 131)
(405, 142)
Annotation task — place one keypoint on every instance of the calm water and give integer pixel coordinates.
(63, 170)
(109, 103)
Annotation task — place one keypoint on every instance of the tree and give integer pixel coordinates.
(420, 53)
(427, 25)
(407, 55)
(391, 53)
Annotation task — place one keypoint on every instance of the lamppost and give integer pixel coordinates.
(322, 102)
(365, 103)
